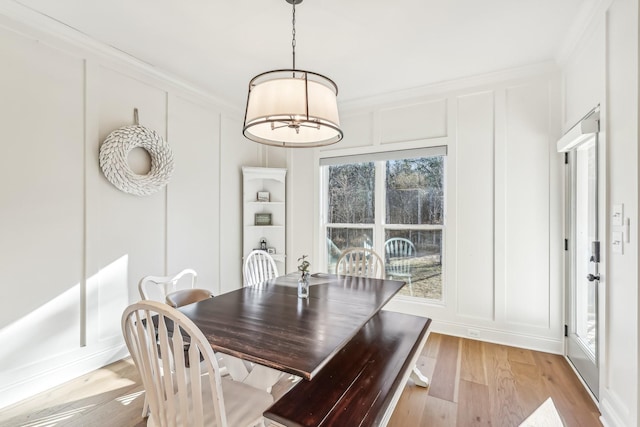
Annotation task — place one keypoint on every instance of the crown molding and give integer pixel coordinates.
(447, 87)
(585, 22)
(32, 24)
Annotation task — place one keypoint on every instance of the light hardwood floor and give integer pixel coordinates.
(472, 384)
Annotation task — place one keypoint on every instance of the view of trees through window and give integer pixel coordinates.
(410, 227)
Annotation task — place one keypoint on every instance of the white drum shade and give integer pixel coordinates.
(292, 108)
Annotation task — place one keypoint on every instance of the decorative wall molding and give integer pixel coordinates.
(614, 413)
(116, 238)
(500, 116)
(65, 368)
(585, 22)
(447, 88)
(32, 24)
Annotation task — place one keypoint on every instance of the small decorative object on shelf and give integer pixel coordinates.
(303, 281)
(263, 244)
(263, 196)
(263, 219)
(271, 251)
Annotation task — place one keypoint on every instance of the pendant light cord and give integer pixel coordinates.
(293, 33)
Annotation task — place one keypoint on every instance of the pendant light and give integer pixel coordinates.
(291, 107)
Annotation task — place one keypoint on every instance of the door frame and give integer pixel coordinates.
(588, 127)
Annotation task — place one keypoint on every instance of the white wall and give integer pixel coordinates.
(503, 222)
(603, 69)
(72, 246)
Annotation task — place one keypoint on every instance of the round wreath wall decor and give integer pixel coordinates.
(115, 151)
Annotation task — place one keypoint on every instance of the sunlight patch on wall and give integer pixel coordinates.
(110, 292)
(45, 332)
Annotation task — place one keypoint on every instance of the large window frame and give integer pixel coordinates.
(379, 226)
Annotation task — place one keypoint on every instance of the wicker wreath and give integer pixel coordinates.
(113, 160)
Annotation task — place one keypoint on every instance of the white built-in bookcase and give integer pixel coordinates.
(271, 180)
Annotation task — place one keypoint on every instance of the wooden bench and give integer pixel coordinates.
(362, 383)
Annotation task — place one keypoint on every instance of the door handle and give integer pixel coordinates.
(591, 277)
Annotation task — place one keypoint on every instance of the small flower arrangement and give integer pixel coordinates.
(303, 266)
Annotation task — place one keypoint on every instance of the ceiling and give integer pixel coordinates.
(368, 47)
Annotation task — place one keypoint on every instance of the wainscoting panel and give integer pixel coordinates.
(475, 205)
(358, 132)
(415, 121)
(126, 232)
(41, 199)
(193, 199)
(72, 246)
(527, 193)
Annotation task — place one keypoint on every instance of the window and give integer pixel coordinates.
(394, 203)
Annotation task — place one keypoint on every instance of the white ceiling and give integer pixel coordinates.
(368, 47)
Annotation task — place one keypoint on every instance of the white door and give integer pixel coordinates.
(583, 258)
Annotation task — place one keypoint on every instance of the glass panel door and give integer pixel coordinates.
(582, 347)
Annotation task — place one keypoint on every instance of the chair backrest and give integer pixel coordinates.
(258, 267)
(183, 297)
(175, 393)
(156, 288)
(360, 262)
(398, 252)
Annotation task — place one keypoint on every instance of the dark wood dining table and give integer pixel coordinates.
(268, 324)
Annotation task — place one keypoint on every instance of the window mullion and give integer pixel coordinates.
(380, 216)
(414, 227)
(349, 225)
(324, 209)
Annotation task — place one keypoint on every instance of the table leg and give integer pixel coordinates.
(418, 378)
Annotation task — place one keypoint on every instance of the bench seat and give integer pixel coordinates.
(361, 384)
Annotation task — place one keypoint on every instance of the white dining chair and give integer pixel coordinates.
(258, 267)
(360, 262)
(165, 289)
(156, 288)
(184, 297)
(398, 255)
(177, 396)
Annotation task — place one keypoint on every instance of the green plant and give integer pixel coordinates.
(303, 265)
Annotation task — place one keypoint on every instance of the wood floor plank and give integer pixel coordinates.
(76, 397)
(426, 365)
(472, 367)
(443, 384)
(410, 407)
(432, 347)
(437, 413)
(474, 411)
(566, 390)
(521, 355)
(113, 411)
(531, 390)
(515, 388)
(505, 408)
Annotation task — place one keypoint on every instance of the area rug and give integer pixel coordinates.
(545, 416)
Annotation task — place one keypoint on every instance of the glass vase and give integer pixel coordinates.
(303, 286)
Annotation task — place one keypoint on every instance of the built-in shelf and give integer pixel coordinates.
(271, 180)
(265, 203)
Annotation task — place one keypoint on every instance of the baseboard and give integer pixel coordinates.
(514, 339)
(58, 371)
(612, 410)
